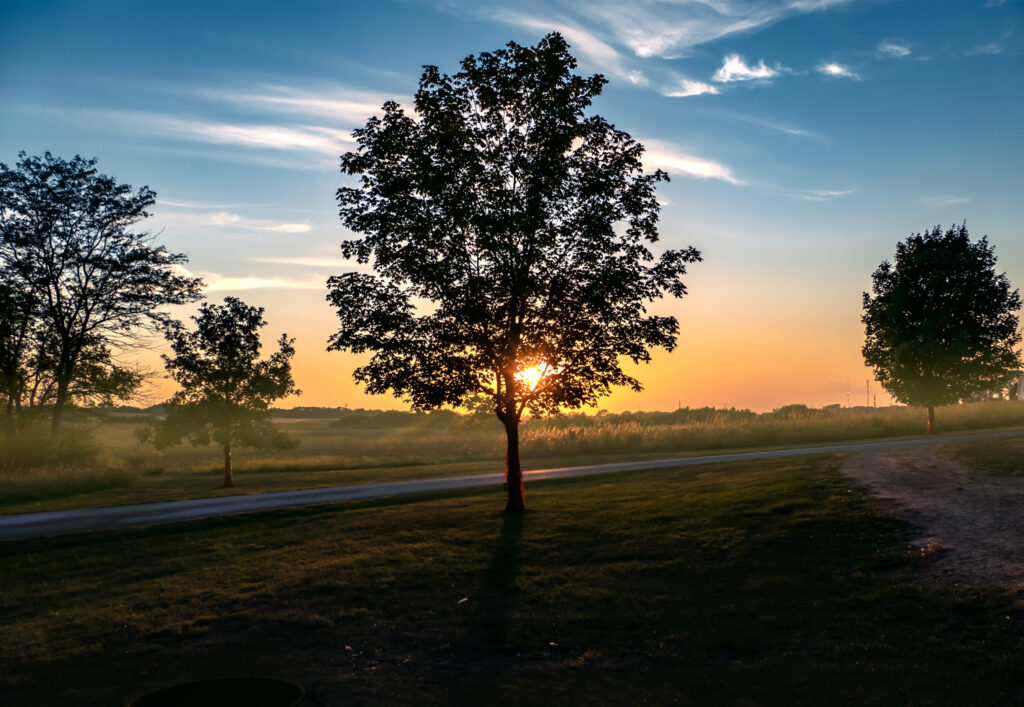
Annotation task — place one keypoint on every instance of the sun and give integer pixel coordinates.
(534, 374)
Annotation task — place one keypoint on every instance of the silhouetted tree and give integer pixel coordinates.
(941, 325)
(507, 230)
(16, 333)
(226, 389)
(92, 284)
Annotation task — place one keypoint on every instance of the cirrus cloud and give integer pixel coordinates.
(837, 70)
(670, 158)
(686, 87)
(894, 50)
(734, 68)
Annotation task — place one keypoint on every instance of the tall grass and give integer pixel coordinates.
(107, 454)
(709, 428)
(30, 470)
(29, 484)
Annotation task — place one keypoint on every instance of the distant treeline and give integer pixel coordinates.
(367, 419)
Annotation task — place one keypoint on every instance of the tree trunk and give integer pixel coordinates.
(229, 479)
(58, 415)
(931, 420)
(10, 422)
(515, 494)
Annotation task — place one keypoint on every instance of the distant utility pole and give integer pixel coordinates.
(847, 391)
(867, 392)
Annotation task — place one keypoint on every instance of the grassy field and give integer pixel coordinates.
(113, 468)
(1004, 457)
(774, 583)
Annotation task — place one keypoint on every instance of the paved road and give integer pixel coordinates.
(60, 522)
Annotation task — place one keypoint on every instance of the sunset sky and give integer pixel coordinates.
(804, 139)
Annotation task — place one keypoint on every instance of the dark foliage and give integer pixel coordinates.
(77, 284)
(226, 388)
(941, 325)
(507, 229)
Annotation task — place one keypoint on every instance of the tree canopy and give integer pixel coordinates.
(226, 388)
(941, 325)
(507, 230)
(81, 283)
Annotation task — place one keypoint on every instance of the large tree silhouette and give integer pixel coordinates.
(84, 282)
(226, 388)
(508, 231)
(941, 324)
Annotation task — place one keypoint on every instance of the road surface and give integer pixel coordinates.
(27, 525)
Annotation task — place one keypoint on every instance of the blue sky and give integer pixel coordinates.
(804, 139)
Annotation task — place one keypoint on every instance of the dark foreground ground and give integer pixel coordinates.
(768, 583)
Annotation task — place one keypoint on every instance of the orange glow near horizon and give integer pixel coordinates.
(788, 349)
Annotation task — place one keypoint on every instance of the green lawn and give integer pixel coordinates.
(773, 583)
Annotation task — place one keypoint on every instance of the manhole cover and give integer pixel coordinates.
(226, 692)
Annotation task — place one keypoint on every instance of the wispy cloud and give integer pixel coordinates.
(992, 48)
(194, 205)
(217, 282)
(227, 219)
(776, 126)
(944, 200)
(600, 53)
(608, 33)
(306, 138)
(685, 88)
(670, 28)
(734, 68)
(335, 265)
(349, 107)
(305, 262)
(894, 50)
(820, 194)
(670, 158)
(765, 123)
(837, 70)
(808, 194)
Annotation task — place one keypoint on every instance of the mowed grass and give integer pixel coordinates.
(1004, 457)
(121, 471)
(774, 583)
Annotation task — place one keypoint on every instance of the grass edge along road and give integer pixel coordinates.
(110, 467)
(57, 522)
(767, 583)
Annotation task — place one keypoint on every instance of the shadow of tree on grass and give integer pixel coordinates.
(489, 624)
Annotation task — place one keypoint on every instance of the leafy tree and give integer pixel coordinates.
(91, 283)
(941, 325)
(16, 324)
(509, 234)
(226, 389)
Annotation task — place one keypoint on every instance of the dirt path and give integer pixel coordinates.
(972, 522)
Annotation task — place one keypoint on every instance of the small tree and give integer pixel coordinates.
(85, 282)
(509, 235)
(226, 389)
(941, 325)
